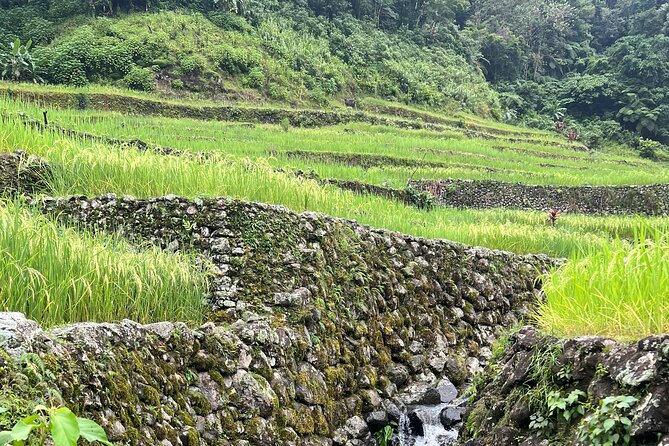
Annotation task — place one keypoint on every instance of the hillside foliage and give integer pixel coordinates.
(599, 66)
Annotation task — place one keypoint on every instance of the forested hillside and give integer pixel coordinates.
(599, 67)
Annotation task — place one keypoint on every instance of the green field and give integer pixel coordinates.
(243, 161)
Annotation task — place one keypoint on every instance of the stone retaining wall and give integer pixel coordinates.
(604, 200)
(617, 390)
(321, 331)
(21, 173)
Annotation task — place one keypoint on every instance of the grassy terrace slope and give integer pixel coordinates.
(243, 159)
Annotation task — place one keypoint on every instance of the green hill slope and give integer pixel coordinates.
(222, 56)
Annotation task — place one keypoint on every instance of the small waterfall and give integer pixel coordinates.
(423, 426)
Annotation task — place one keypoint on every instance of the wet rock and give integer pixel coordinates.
(450, 416)
(421, 394)
(447, 390)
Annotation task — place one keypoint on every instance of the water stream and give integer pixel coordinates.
(422, 426)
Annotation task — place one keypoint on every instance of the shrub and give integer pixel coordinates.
(177, 84)
(648, 148)
(278, 92)
(235, 60)
(255, 78)
(194, 64)
(141, 79)
(63, 426)
(230, 22)
(17, 63)
(58, 67)
(39, 30)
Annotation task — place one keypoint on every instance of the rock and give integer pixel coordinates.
(310, 387)
(420, 394)
(211, 391)
(354, 428)
(447, 391)
(534, 441)
(297, 298)
(254, 393)
(652, 412)
(636, 369)
(450, 416)
(377, 420)
(398, 374)
(17, 333)
(520, 413)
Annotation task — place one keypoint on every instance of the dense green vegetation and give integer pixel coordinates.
(603, 63)
(56, 275)
(278, 58)
(619, 290)
(600, 67)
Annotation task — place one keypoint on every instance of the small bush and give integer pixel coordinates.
(278, 92)
(194, 64)
(39, 30)
(141, 79)
(235, 60)
(177, 84)
(255, 78)
(648, 148)
(230, 22)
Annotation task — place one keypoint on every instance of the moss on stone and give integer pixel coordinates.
(199, 402)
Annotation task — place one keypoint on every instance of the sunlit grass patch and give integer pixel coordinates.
(58, 275)
(619, 290)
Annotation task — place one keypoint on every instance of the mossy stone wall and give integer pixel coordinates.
(316, 324)
(599, 200)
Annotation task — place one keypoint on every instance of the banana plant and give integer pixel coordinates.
(17, 63)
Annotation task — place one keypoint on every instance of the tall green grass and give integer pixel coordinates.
(81, 167)
(619, 290)
(59, 275)
(458, 157)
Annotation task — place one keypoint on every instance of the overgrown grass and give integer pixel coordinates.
(619, 290)
(58, 275)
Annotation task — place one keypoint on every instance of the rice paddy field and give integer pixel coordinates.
(614, 279)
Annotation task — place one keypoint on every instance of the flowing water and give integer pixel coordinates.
(422, 426)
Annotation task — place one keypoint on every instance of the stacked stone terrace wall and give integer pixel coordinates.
(601, 200)
(515, 391)
(321, 330)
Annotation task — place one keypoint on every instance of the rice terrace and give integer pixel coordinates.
(334, 223)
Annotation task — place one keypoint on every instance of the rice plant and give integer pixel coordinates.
(620, 290)
(59, 275)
